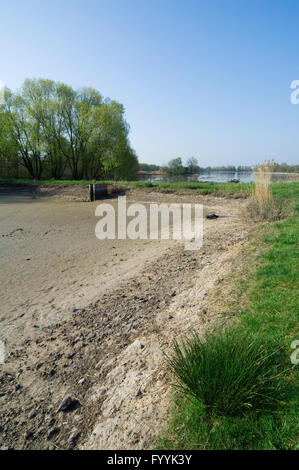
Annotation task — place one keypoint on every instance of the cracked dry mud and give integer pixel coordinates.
(106, 349)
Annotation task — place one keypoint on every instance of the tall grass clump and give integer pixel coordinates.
(230, 372)
(262, 177)
(262, 204)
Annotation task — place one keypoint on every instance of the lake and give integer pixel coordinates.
(215, 176)
(221, 177)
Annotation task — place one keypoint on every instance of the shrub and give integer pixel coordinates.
(231, 371)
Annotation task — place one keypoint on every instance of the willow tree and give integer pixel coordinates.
(26, 132)
(41, 100)
(54, 125)
(8, 150)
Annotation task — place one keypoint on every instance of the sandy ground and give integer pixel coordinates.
(92, 319)
(52, 262)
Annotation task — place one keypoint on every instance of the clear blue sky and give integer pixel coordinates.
(208, 78)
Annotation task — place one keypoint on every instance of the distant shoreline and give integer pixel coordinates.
(160, 173)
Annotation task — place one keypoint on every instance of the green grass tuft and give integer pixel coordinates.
(231, 371)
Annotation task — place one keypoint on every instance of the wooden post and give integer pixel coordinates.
(91, 192)
(99, 191)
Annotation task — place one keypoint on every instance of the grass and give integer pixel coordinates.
(231, 371)
(239, 390)
(191, 430)
(280, 190)
(221, 189)
(285, 191)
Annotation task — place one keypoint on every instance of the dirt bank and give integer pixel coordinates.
(91, 320)
(75, 192)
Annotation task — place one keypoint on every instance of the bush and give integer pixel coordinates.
(231, 371)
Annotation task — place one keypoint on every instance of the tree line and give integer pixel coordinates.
(175, 167)
(285, 168)
(49, 128)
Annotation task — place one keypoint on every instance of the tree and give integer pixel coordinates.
(26, 132)
(41, 97)
(192, 165)
(148, 167)
(110, 138)
(175, 167)
(54, 126)
(7, 148)
(126, 164)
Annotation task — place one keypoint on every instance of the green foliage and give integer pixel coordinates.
(174, 168)
(230, 371)
(148, 167)
(7, 144)
(55, 129)
(285, 168)
(192, 166)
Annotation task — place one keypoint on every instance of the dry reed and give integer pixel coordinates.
(262, 205)
(262, 192)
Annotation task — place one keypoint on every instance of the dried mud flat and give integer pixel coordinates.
(107, 354)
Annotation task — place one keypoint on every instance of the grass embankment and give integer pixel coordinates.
(239, 387)
(242, 190)
(220, 189)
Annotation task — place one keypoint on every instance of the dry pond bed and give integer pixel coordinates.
(89, 321)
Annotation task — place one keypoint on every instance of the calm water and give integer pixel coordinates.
(221, 177)
(216, 176)
(225, 176)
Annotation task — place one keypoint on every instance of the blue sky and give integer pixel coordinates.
(209, 78)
